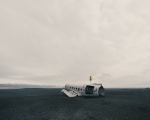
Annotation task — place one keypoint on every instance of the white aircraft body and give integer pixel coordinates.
(83, 90)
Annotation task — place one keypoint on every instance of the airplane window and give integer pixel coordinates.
(81, 89)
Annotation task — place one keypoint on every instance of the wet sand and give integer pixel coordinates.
(49, 104)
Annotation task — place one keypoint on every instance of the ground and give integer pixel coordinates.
(49, 104)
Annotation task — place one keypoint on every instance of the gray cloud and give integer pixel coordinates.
(58, 42)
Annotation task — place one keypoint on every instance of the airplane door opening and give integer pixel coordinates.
(89, 89)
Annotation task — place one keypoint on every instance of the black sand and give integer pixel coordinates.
(49, 104)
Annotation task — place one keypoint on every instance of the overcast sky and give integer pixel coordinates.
(54, 42)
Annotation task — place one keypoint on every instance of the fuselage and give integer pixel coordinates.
(83, 90)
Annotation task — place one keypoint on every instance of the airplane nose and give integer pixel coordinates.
(101, 91)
